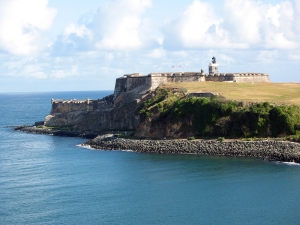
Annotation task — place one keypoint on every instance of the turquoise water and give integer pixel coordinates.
(50, 180)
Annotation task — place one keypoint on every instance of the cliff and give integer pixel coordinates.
(169, 112)
(151, 107)
(92, 115)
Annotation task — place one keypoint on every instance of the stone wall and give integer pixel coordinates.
(120, 86)
(134, 82)
(130, 88)
(61, 106)
(250, 77)
(186, 77)
(71, 112)
(238, 77)
(163, 78)
(133, 87)
(65, 106)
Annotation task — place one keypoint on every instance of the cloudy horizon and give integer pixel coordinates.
(62, 46)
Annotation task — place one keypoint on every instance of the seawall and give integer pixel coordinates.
(268, 150)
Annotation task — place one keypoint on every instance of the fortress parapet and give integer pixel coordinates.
(134, 86)
(88, 105)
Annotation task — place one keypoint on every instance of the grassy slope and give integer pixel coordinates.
(279, 93)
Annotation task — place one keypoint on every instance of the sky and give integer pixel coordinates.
(55, 45)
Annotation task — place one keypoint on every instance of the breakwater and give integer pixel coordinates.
(268, 150)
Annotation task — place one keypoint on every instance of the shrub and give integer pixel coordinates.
(221, 138)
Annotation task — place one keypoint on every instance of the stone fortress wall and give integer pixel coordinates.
(88, 105)
(136, 86)
(62, 106)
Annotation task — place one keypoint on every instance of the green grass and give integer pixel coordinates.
(278, 93)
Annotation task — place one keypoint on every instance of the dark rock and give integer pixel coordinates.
(267, 150)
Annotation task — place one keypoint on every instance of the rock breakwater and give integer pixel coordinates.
(268, 150)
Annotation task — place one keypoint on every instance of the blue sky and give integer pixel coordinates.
(54, 45)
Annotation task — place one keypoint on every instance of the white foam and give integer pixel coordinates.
(289, 163)
(90, 148)
(127, 150)
(85, 146)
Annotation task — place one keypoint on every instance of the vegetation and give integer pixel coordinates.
(221, 139)
(162, 102)
(214, 117)
(191, 138)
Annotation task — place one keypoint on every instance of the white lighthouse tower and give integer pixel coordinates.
(213, 67)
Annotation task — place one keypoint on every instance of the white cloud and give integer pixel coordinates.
(80, 31)
(245, 24)
(294, 56)
(157, 53)
(22, 24)
(197, 26)
(225, 59)
(297, 4)
(34, 71)
(117, 24)
(266, 56)
(242, 20)
(63, 73)
(123, 38)
(75, 38)
(260, 25)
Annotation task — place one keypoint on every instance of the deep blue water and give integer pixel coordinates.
(50, 180)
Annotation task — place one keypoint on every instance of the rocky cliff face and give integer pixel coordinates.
(95, 115)
(163, 129)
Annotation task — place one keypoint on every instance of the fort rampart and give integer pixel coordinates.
(136, 86)
(88, 105)
(63, 106)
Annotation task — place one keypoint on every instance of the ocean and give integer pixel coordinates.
(52, 180)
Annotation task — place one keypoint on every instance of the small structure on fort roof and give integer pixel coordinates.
(136, 85)
(213, 67)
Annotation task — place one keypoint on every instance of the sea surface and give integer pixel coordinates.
(51, 180)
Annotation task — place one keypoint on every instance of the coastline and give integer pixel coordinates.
(269, 150)
(57, 132)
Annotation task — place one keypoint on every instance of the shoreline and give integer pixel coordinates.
(268, 150)
(57, 132)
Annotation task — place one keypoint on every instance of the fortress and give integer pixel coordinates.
(116, 111)
(136, 85)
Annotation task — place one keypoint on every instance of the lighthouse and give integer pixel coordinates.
(213, 67)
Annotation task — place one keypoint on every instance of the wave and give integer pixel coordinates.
(288, 163)
(127, 150)
(89, 147)
(85, 146)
